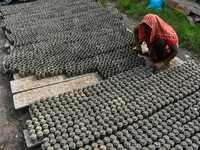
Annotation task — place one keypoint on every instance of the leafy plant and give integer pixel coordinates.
(102, 2)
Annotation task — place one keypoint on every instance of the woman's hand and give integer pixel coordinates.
(159, 65)
(139, 49)
(145, 54)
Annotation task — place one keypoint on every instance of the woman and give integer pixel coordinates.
(161, 40)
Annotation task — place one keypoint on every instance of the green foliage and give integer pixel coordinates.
(126, 4)
(102, 2)
(197, 1)
(189, 36)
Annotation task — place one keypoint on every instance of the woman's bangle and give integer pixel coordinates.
(162, 64)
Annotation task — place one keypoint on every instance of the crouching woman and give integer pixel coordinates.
(161, 40)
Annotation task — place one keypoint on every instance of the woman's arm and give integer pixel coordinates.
(136, 29)
(138, 46)
(174, 52)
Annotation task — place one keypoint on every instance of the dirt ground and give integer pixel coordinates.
(12, 121)
(11, 128)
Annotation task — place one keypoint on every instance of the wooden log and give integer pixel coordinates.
(191, 20)
(185, 6)
(192, 6)
(177, 6)
(197, 19)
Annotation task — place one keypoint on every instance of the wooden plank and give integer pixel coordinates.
(191, 20)
(184, 6)
(177, 6)
(192, 6)
(197, 19)
(30, 82)
(23, 99)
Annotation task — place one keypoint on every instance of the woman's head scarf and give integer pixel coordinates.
(159, 30)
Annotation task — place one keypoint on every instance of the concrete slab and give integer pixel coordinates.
(30, 82)
(29, 143)
(23, 99)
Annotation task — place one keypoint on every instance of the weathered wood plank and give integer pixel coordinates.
(23, 99)
(177, 6)
(184, 6)
(30, 82)
(197, 19)
(191, 20)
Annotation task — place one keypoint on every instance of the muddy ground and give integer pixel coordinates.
(12, 121)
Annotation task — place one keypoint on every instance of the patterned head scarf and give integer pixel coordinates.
(159, 30)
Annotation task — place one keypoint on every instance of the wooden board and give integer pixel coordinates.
(191, 20)
(184, 6)
(30, 82)
(197, 19)
(177, 6)
(23, 99)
